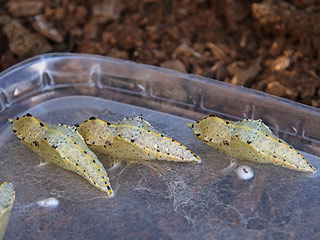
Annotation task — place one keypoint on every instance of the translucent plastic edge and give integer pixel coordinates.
(192, 77)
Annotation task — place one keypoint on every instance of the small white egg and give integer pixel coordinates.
(244, 172)
(48, 203)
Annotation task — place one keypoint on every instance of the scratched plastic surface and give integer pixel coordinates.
(153, 199)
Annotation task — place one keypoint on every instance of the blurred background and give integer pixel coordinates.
(268, 45)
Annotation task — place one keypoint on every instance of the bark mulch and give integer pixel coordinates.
(269, 45)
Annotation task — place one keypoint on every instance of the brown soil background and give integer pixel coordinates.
(271, 45)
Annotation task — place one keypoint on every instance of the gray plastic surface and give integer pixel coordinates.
(153, 199)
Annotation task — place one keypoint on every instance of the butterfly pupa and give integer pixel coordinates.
(7, 197)
(63, 146)
(249, 140)
(133, 139)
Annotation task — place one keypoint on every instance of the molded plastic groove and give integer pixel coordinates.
(198, 101)
(5, 101)
(94, 76)
(148, 87)
(46, 81)
(309, 138)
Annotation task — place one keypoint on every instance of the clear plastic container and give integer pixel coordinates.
(153, 199)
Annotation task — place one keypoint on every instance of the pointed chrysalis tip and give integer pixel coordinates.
(110, 194)
(10, 120)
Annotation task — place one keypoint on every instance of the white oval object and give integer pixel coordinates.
(63, 146)
(133, 139)
(48, 203)
(250, 140)
(244, 172)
